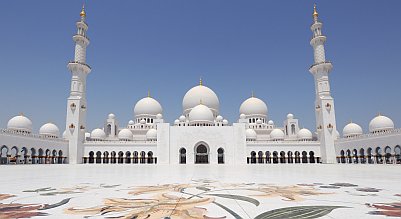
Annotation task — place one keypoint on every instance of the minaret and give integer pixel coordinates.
(76, 103)
(324, 104)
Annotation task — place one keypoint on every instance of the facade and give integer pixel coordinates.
(200, 135)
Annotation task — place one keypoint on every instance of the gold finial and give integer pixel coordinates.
(350, 121)
(21, 114)
(83, 13)
(200, 81)
(315, 14)
(200, 102)
(253, 94)
(149, 93)
(379, 114)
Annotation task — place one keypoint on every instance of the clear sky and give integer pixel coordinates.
(165, 46)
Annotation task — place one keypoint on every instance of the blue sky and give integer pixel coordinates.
(165, 46)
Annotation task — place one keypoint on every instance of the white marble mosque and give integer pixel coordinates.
(200, 135)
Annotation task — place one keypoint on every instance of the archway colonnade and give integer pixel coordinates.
(371, 155)
(282, 157)
(26, 155)
(120, 157)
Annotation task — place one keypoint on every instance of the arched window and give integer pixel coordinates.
(369, 153)
(91, 157)
(98, 157)
(105, 157)
(388, 155)
(379, 158)
(143, 157)
(120, 157)
(362, 155)
(282, 157)
(312, 157)
(268, 158)
(136, 154)
(289, 157)
(304, 157)
(150, 157)
(342, 156)
(127, 157)
(220, 155)
(183, 156)
(260, 157)
(397, 154)
(355, 155)
(349, 158)
(113, 157)
(293, 129)
(253, 157)
(275, 157)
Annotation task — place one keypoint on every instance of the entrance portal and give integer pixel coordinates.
(201, 154)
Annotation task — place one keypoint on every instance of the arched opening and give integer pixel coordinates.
(201, 154)
(379, 158)
(150, 157)
(369, 153)
(297, 157)
(260, 157)
(282, 157)
(41, 157)
(25, 155)
(355, 155)
(289, 157)
(120, 157)
(304, 157)
(387, 155)
(349, 158)
(362, 156)
(293, 129)
(397, 154)
(275, 157)
(108, 129)
(220, 156)
(183, 156)
(60, 157)
(106, 157)
(34, 156)
(53, 157)
(253, 157)
(47, 158)
(312, 157)
(98, 157)
(3, 155)
(113, 158)
(127, 157)
(91, 157)
(268, 158)
(136, 160)
(342, 156)
(14, 155)
(143, 157)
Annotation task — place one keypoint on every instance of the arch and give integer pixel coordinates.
(282, 157)
(98, 157)
(275, 157)
(106, 157)
(60, 157)
(297, 157)
(342, 156)
(379, 157)
(183, 156)
(136, 154)
(387, 155)
(304, 157)
(355, 155)
(312, 157)
(253, 157)
(289, 157)
(53, 157)
(143, 157)
(293, 129)
(362, 155)
(349, 158)
(91, 157)
(260, 157)
(397, 154)
(201, 153)
(14, 155)
(47, 156)
(3, 155)
(128, 157)
(370, 154)
(220, 156)
(113, 158)
(34, 157)
(25, 155)
(40, 155)
(108, 129)
(268, 157)
(120, 157)
(150, 157)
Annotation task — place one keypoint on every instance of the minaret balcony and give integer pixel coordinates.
(76, 66)
(324, 66)
(81, 38)
(317, 40)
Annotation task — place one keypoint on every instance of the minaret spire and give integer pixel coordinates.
(324, 103)
(76, 103)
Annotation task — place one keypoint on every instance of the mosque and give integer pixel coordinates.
(200, 135)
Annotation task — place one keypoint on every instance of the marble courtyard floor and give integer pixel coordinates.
(200, 191)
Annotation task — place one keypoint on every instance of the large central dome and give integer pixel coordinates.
(199, 94)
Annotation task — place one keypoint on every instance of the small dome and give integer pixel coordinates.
(225, 122)
(219, 118)
(253, 106)
(380, 123)
(250, 134)
(242, 116)
(131, 122)
(176, 122)
(304, 134)
(290, 116)
(151, 134)
(143, 121)
(98, 134)
(49, 129)
(147, 106)
(200, 93)
(352, 129)
(277, 134)
(270, 122)
(87, 135)
(201, 113)
(159, 116)
(125, 134)
(20, 123)
(182, 118)
(259, 121)
(65, 134)
(111, 116)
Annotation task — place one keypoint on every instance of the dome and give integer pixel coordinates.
(380, 123)
(98, 134)
(159, 116)
(219, 118)
(111, 116)
(242, 116)
(182, 118)
(250, 134)
(270, 122)
(290, 116)
(125, 134)
(201, 113)
(304, 134)
(65, 134)
(143, 121)
(49, 129)
(176, 122)
(200, 93)
(277, 134)
(151, 134)
(225, 122)
(352, 129)
(20, 123)
(258, 121)
(253, 106)
(131, 122)
(147, 106)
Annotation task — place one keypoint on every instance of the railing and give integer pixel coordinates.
(369, 135)
(324, 62)
(108, 142)
(30, 135)
(286, 142)
(77, 62)
(119, 160)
